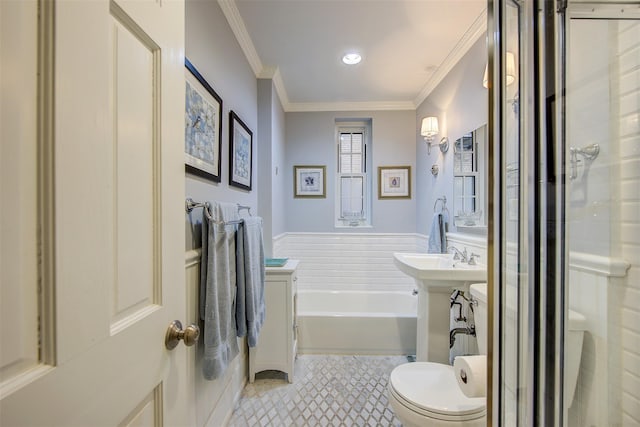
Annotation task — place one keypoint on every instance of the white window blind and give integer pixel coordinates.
(352, 178)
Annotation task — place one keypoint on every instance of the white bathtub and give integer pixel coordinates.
(357, 322)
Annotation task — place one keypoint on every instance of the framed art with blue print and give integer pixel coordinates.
(240, 153)
(203, 126)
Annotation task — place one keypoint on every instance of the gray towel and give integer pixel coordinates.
(250, 307)
(435, 235)
(444, 217)
(217, 291)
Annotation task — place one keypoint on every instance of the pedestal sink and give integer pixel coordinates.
(436, 276)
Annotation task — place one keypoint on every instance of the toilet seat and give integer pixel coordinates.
(431, 390)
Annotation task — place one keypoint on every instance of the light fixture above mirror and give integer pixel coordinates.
(429, 130)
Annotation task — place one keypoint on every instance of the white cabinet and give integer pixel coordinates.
(277, 342)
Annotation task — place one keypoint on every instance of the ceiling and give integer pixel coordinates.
(407, 47)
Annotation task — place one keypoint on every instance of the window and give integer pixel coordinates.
(353, 182)
(465, 171)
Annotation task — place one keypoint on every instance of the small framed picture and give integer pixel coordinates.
(240, 153)
(203, 126)
(309, 181)
(394, 182)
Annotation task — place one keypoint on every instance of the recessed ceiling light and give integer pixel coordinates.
(351, 58)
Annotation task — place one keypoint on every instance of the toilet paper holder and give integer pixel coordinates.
(463, 375)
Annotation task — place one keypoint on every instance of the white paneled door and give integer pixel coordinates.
(92, 196)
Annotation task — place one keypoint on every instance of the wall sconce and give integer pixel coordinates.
(429, 130)
(511, 71)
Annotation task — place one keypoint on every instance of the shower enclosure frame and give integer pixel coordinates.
(527, 221)
(541, 264)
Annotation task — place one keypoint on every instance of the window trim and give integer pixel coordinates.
(355, 126)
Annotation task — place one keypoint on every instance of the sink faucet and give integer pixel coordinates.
(472, 259)
(457, 255)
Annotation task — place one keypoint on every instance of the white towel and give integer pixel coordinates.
(250, 307)
(217, 290)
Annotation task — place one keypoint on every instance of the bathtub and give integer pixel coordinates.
(356, 322)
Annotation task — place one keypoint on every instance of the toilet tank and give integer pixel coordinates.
(479, 294)
(576, 326)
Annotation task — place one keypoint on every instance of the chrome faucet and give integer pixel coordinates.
(457, 255)
(472, 259)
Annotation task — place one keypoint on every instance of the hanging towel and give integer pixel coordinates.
(217, 290)
(250, 308)
(436, 235)
(444, 227)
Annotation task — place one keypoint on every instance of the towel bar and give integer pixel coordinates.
(190, 204)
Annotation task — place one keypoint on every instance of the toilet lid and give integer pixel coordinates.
(432, 387)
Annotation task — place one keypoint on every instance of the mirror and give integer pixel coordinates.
(469, 172)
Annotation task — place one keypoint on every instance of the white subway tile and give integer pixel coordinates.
(631, 406)
(630, 341)
(628, 60)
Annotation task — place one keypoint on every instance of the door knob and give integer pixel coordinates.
(175, 333)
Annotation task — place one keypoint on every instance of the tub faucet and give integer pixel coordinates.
(457, 255)
(471, 330)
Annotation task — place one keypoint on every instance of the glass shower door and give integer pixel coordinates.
(602, 148)
(509, 215)
(564, 213)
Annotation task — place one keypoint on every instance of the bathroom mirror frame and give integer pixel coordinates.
(469, 180)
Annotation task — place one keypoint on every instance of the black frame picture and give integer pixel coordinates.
(203, 126)
(240, 153)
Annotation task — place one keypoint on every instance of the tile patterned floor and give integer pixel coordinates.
(327, 390)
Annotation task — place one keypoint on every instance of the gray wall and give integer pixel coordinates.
(460, 102)
(213, 50)
(310, 140)
(271, 119)
(278, 165)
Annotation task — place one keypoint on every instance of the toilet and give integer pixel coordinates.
(427, 394)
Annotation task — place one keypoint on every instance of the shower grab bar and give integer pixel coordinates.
(589, 152)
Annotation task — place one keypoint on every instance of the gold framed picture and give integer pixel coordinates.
(394, 182)
(309, 181)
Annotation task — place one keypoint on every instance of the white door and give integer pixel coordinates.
(92, 205)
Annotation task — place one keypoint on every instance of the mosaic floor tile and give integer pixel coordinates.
(327, 390)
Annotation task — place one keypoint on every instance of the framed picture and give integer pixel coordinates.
(394, 182)
(309, 181)
(240, 153)
(203, 126)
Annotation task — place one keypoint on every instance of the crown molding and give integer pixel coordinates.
(349, 106)
(232, 14)
(273, 73)
(261, 71)
(477, 29)
(236, 23)
(280, 90)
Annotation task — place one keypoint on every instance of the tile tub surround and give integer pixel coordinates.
(328, 391)
(348, 261)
